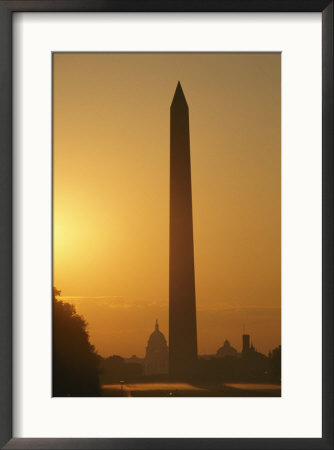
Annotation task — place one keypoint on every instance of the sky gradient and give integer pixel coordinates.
(111, 193)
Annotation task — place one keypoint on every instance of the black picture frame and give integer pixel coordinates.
(7, 9)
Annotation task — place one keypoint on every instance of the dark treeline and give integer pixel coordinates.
(252, 367)
(75, 362)
(114, 369)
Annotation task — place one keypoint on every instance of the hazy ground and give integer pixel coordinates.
(183, 389)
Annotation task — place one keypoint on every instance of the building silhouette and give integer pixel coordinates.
(156, 358)
(182, 302)
(245, 344)
(226, 350)
(134, 360)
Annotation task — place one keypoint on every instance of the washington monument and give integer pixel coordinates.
(182, 301)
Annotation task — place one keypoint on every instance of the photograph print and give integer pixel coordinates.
(166, 224)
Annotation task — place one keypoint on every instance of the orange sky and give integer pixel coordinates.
(111, 193)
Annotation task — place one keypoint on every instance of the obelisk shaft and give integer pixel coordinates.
(182, 302)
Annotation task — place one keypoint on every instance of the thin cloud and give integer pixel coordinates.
(115, 301)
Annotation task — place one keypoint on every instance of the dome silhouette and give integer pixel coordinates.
(156, 359)
(226, 350)
(157, 340)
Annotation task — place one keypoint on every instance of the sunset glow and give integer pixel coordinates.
(111, 193)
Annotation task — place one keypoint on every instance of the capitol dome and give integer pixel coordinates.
(157, 340)
(156, 359)
(226, 350)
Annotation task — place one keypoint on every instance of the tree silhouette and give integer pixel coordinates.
(75, 361)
